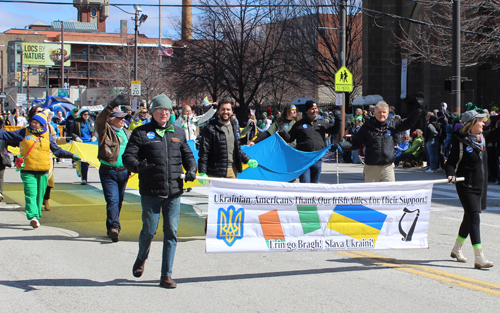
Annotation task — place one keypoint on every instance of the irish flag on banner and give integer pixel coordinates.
(258, 216)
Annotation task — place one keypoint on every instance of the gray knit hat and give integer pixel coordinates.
(160, 102)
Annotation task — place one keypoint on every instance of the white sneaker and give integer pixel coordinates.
(34, 222)
(1, 197)
(430, 171)
(439, 170)
(84, 182)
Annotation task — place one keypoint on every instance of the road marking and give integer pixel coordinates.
(424, 271)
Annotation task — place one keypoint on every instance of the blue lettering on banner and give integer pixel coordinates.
(150, 135)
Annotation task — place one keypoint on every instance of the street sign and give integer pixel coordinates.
(21, 99)
(343, 80)
(339, 99)
(135, 88)
(3, 95)
(63, 92)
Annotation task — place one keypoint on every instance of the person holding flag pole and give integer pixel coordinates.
(189, 122)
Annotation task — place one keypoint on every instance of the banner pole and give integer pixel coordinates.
(436, 181)
(337, 159)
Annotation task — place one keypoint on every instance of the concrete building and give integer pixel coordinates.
(382, 63)
(92, 49)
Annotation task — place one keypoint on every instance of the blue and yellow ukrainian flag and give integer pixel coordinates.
(357, 221)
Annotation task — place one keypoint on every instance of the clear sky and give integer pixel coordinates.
(20, 15)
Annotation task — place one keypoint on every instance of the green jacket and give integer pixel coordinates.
(416, 147)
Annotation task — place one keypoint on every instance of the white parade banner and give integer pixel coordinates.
(264, 216)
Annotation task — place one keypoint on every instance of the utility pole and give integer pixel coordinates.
(62, 54)
(1, 57)
(136, 17)
(159, 32)
(22, 68)
(456, 78)
(28, 83)
(342, 61)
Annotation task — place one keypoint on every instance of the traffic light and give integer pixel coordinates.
(466, 84)
(25, 75)
(18, 76)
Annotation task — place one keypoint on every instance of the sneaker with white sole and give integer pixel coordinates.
(1, 197)
(34, 222)
(430, 171)
(84, 182)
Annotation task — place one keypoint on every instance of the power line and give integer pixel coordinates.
(180, 5)
(398, 17)
(378, 13)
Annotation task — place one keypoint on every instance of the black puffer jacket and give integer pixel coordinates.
(473, 167)
(164, 178)
(213, 150)
(378, 138)
(310, 135)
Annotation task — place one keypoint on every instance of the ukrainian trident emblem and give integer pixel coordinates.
(230, 224)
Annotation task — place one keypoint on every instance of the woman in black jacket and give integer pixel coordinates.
(468, 159)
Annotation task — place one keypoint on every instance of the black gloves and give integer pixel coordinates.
(416, 101)
(119, 100)
(336, 147)
(283, 134)
(144, 166)
(190, 176)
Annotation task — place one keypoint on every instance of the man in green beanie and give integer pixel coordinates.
(158, 151)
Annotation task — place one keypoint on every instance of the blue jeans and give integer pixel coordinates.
(170, 208)
(355, 156)
(113, 186)
(432, 153)
(403, 156)
(84, 167)
(312, 174)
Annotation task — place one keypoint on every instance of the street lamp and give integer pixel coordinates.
(138, 21)
(1, 58)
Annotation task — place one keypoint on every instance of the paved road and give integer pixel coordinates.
(68, 265)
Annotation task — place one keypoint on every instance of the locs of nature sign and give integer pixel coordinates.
(263, 216)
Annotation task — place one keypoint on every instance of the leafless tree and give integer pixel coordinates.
(313, 41)
(198, 67)
(432, 40)
(119, 71)
(240, 48)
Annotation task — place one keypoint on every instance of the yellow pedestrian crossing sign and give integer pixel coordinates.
(343, 80)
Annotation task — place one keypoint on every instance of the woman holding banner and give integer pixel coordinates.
(36, 144)
(468, 159)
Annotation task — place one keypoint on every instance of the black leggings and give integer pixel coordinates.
(471, 225)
